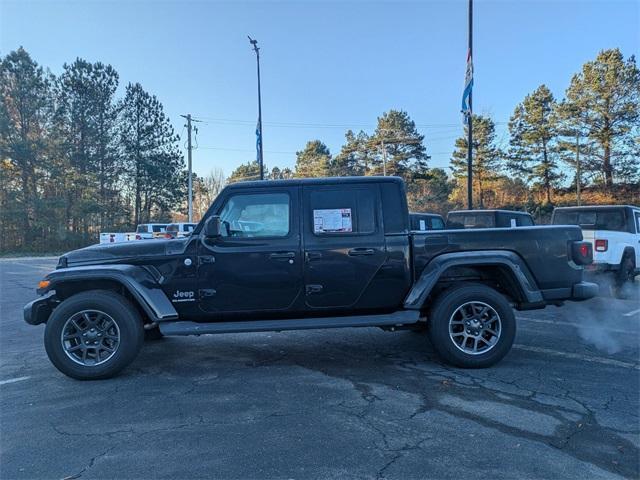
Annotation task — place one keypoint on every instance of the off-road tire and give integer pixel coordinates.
(123, 313)
(624, 276)
(444, 307)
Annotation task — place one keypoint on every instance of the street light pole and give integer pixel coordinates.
(260, 156)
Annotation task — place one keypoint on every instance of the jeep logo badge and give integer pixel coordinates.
(180, 296)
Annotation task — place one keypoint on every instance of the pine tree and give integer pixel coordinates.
(604, 100)
(25, 106)
(314, 160)
(247, 171)
(153, 162)
(354, 158)
(400, 147)
(486, 156)
(533, 144)
(86, 118)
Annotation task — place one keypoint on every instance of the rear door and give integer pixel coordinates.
(343, 243)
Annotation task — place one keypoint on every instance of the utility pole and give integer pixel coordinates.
(189, 148)
(259, 129)
(578, 167)
(189, 164)
(470, 118)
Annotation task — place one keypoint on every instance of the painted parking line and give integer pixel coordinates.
(13, 380)
(577, 356)
(572, 324)
(629, 314)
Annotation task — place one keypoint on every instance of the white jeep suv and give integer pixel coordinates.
(614, 232)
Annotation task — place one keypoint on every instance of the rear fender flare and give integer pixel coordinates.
(142, 283)
(430, 276)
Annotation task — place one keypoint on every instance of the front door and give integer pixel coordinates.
(344, 244)
(256, 264)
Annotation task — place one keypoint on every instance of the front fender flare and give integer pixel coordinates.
(436, 267)
(142, 284)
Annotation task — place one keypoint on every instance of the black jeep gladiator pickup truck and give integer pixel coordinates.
(302, 254)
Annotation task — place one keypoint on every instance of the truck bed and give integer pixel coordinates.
(540, 248)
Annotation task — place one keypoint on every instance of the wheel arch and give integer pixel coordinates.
(135, 283)
(504, 271)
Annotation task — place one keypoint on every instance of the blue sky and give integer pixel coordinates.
(326, 66)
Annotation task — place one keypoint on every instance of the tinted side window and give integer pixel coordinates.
(637, 222)
(159, 228)
(437, 223)
(256, 215)
(141, 229)
(524, 221)
(345, 211)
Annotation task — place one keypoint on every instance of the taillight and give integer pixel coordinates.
(167, 235)
(602, 245)
(138, 237)
(582, 253)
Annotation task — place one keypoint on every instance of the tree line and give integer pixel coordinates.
(590, 140)
(75, 159)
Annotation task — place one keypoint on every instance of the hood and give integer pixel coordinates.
(136, 251)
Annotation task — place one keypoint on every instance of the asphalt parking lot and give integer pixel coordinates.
(353, 403)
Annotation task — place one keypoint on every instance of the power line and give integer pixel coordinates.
(229, 121)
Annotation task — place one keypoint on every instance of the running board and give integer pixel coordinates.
(402, 317)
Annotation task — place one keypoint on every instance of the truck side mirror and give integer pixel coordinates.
(212, 227)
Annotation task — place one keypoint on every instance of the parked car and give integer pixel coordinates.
(614, 233)
(147, 231)
(108, 237)
(425, 221)
(488, 219)
(179, 230)
(307, 253)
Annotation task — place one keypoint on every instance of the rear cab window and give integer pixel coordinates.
(350, 211)
(597, 219)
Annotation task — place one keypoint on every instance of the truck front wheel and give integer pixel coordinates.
(471, 326)
(93, 335)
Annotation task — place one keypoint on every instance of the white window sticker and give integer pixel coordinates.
(513, 223)
(423, 225)
(332, 220)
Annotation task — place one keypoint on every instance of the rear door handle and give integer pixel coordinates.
(313, 255)
(282, 255)
(354, 252)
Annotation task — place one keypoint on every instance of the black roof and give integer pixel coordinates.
(595, 207)
(314, 181)
(426, 214)
(490, 211)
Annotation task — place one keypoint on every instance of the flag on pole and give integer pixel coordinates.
(468, 86)
(258, 142)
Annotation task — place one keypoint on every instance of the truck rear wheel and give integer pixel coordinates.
(471, 326)
(93, 335)
(624, 277)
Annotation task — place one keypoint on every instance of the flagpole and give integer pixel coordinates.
(470, 121)
(259, 132)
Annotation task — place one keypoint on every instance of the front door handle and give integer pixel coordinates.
(282, 255)
(355, 252)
